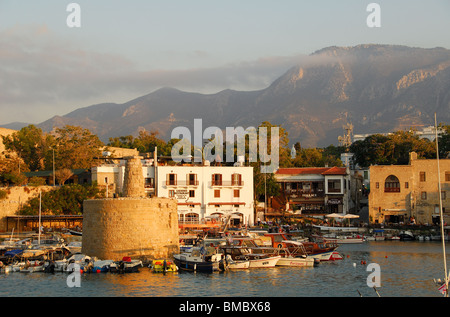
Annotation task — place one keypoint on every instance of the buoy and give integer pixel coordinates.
(98, 270)
(348, 256)
(81, 271)
(354, 264)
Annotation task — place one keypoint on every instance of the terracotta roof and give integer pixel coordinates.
(312, 170)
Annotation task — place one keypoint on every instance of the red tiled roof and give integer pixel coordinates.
(312, 170)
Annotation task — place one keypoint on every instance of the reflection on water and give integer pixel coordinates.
(407, 269)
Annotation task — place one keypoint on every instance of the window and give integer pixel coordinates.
(236, 193)
(443, 195)
(334, 186)
(217, 193)
(423, 195)
(377, 185)
(171, 193)
(391, 184)
(406, 185)
(236, 206)
(422, 176)
(236, 179)
(217, 179)
(447, 176)
(192, 193)
(171, 179)
(192, 179)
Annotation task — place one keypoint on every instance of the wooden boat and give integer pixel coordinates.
(255, 255)
(296, 255)
(200, 259)
(236, 264)
(163, 266)
(259, 261)
(318, 248)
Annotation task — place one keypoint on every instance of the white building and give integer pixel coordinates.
(205, 192)
(202, 191)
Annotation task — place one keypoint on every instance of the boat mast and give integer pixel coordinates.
(440, 207)
(39, 228)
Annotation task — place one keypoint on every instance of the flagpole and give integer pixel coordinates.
(440, 206)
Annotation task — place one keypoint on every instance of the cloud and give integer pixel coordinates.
(43, 74)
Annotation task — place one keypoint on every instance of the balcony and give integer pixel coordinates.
(180, 183)
(226, 183)
(304, 193)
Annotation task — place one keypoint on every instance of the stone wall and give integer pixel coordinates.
(145, 228)
(16, 197)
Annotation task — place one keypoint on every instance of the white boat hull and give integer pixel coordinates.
(239, 265)
(296, 261)
(265, 262)
(327, 256)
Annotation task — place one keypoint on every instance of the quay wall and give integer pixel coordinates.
(141, 228)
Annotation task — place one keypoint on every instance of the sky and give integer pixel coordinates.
(125, 49)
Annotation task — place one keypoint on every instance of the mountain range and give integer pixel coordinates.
(376, 88)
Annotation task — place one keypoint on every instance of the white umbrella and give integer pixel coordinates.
(334, 215)
(350, 216)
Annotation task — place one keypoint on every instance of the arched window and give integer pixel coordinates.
(391, 184)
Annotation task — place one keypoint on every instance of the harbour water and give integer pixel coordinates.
(407, 269)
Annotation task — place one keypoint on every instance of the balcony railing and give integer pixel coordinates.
(227, 183)
(180, 183)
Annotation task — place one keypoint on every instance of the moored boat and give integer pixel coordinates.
(126, 265)
(200, 259)
(163, 266)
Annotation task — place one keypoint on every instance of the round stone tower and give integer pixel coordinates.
(134, 226)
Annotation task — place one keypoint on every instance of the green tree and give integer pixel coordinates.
(66, 200)
(30, 144)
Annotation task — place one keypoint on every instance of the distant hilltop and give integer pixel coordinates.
(376, 88)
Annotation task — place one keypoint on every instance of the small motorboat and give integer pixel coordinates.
(33, 266)
(163, 266)
(101, 266)
(126, 265)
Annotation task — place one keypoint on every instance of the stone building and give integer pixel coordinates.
(409, 193)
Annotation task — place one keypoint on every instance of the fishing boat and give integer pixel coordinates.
(255, 255)
(163, 266)
(295, 255)
(236, 264)
(200, 259)
(126, 265)
(318, 248)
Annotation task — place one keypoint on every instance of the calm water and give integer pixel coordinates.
(407, 269)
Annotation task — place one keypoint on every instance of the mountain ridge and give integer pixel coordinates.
(377, 88)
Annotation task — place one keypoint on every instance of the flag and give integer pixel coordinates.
(442, 289)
